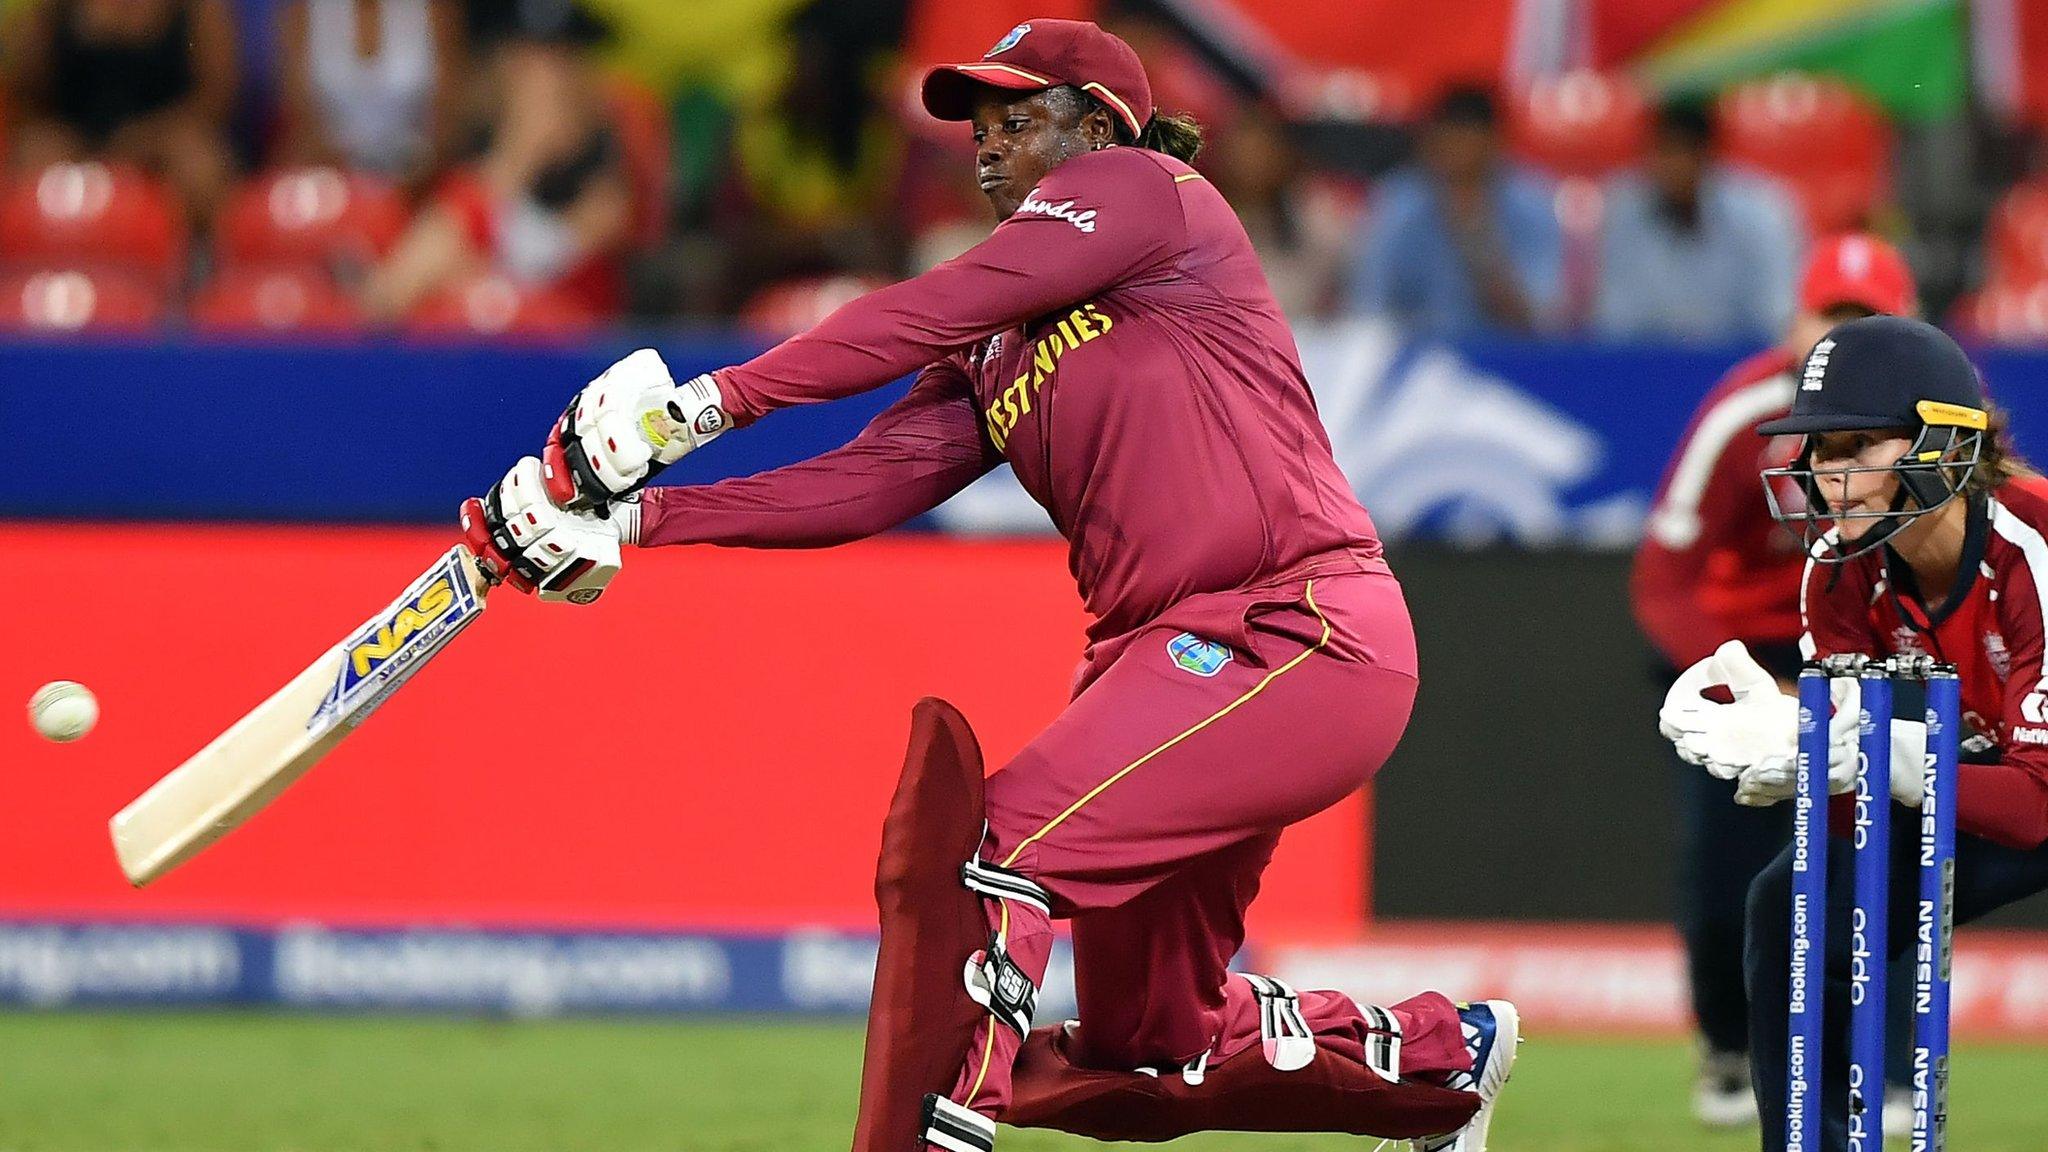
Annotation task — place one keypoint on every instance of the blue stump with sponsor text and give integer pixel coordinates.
(1868, 950)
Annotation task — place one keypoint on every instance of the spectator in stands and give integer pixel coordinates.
(1296, 226)
(368, 85)
(546, 203)
(818, 162)
(1693, 250)
(1462, 242)
(146, 82)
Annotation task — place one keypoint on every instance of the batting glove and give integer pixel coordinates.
(521, 538)
(626, 426)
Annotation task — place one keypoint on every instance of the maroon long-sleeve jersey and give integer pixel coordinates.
(1990, 626)
(1116, 343)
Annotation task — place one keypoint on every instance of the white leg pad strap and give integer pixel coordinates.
(1383, 1047)
(1283, 1031)
(957, 1128)
(1000, 883)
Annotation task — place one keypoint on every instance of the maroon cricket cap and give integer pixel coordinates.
(1040, 54)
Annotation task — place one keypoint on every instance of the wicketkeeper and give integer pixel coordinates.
(1926, 536)
(1250, 662)
(1714, 564)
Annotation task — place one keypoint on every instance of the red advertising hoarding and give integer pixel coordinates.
(710, 746)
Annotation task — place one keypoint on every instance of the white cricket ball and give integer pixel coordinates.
(63, 710)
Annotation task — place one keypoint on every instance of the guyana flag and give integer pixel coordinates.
(1911, 56)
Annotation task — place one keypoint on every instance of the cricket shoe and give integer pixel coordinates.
(1722, 1095)
(1493, 1031)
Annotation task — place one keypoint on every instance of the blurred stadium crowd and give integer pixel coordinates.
(547, 167)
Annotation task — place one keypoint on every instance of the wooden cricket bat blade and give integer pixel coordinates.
(259, 756)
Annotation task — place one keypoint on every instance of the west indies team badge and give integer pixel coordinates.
(1009, 40)
(1194, 654)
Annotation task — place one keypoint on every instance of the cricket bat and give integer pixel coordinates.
(255, 760)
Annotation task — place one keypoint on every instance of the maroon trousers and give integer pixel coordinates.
(1148, 811)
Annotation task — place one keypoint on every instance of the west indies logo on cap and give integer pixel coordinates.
(1008, 41)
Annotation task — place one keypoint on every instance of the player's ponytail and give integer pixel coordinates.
(1176, 134)
(1997, 462)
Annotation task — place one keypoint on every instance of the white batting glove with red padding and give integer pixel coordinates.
(521, 538)
(625, 426)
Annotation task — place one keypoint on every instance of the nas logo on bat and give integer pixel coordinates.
(393, 644)
(410, 620)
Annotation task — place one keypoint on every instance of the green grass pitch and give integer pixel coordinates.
(230, 1082)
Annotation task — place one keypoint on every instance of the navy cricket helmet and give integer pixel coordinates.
(1873, 373)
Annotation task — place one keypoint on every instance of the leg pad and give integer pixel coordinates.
(920, 1027)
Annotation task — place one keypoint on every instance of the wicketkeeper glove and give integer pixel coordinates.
(1728, 714)
(1772, 778)
(626, 426)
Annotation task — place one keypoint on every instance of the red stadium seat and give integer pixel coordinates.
(94, 213)
(311, 215)
(2013, 312)
(1580, 124)
(68, 300)
(255, 300)
(792, 306)
(1829, 144)
(494, 306)
(642, 124)
(2019, 234)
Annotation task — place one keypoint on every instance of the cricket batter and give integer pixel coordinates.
(1925, 536)
(1250, 662)
(1713, 565)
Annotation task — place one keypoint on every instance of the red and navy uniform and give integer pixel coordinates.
(1713, 565)
(1989, 625)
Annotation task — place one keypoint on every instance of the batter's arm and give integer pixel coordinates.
(918, 452)
(1092, 223)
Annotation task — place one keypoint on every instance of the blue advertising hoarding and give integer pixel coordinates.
(450, 969)
(1516, 442)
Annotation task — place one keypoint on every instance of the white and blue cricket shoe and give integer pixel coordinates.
(1493, 1031)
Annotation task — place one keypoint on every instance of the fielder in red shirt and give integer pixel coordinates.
(1926, 536)
(1714, 565)
(1250, 662)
